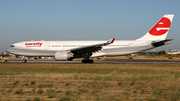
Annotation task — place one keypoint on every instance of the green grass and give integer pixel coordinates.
(15, 83)
(20, 92)
(66, 82)
(33, 83)
(40, 91)
(65, 99)
(37, 99)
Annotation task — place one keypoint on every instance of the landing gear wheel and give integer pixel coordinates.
(24, 61)
(84, 61)
(70, 59)
(87, 61)
(90, 61)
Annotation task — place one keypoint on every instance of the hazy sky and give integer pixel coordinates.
(25, 20)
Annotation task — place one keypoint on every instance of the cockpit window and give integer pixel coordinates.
(12, 46)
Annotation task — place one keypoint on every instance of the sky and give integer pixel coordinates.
(26, 20)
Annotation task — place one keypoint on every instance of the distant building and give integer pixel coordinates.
(149, 53)
(153, 52)
(174, 52)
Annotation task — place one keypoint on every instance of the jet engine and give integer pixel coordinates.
(63, 55)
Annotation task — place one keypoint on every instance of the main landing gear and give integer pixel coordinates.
(87, 61)
(86, 58)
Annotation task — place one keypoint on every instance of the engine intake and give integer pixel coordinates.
(63, 55)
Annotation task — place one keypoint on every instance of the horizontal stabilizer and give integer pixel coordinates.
(160, 43)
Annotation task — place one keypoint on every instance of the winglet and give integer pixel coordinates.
(111, 41)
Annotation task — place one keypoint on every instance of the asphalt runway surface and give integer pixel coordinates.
(106, 61)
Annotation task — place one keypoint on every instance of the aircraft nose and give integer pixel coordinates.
(8, 49)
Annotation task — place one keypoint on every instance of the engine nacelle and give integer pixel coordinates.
(63, 55)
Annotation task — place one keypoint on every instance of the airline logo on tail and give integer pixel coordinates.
(161, 27)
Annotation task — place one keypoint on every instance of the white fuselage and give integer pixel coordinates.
(48, 48)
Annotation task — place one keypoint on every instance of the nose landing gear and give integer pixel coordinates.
(24, 60)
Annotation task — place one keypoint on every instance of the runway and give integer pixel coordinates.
(106, 61)
(142, 61)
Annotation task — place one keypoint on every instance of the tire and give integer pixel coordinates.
(90, 61)
(70, 59)
(87, 61)
(24, 61)
(84, 61)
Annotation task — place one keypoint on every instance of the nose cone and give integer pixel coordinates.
(8, 50)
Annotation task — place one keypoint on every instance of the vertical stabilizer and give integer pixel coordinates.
(160, 30)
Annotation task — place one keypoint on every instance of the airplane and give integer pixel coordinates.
(69, 50)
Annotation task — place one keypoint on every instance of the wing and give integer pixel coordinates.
(91, 48)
